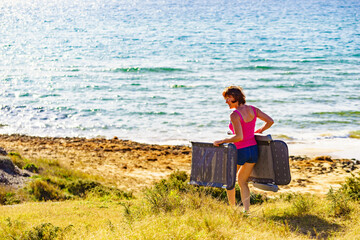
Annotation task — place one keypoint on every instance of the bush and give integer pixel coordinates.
(351, 187)
(44, 191)
(17, 159)
(106, 193)
(7, 197)
(31, 167)
(81, 187)
(162, 199)
(176, 181)
(46, 231)
(257, 198)
(165, 194)
(339, 203)
(287, 197)
(302, 204)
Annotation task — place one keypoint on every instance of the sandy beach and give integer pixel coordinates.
(132, 166)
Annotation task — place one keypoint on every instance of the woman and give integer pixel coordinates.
(242, 125)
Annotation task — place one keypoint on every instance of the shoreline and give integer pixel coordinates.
(133, 166)
(335, 148)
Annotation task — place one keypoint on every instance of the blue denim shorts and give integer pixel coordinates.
(247, 154)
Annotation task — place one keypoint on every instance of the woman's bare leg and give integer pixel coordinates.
(232, 193)
(243, 175)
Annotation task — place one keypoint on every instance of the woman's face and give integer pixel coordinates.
(230, 100)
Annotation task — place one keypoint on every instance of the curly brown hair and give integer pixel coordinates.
(236, 92)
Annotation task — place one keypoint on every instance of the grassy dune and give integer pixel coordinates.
(71, 205)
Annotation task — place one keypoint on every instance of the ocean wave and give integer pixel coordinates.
(50, 95)
(155, 113)
(266, 68)
(180, 86)
(147, 70)
(340, 113)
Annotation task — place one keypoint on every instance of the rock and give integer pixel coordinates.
(8, 166)
(324, 158)
(11, 175)
(3, 152)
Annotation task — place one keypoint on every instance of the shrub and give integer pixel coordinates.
(351, 187)
(162, 199)
(287, 197)
(58, 182)
(176, 181)
(257, 198)
(46, 231)
(31, 167)
(109, 193)
(7, 197)
(44, 191)
(81, 187)
(339, 203)
(165, 194)
(12, 229)
(17, 159)
(302, 204)
(220, 194)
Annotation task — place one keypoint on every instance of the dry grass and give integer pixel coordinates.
(170, 209)
(202, 218)
(174, 210)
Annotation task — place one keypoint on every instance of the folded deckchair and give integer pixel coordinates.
(216, 166)
(213, 166)
(273, 164)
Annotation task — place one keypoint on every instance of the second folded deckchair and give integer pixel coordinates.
(272, 168)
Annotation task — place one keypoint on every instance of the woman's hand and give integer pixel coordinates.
(218, 142)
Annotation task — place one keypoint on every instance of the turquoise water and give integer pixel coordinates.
(153, 71)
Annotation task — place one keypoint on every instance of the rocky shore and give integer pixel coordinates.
(131, 166)
(125, 164)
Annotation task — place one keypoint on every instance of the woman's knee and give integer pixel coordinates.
(242, 183)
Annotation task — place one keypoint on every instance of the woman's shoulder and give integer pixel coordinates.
(252, 110)
(235, 114)
(250, 107)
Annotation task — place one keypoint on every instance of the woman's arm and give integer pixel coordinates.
(266, 118)
(235, 121)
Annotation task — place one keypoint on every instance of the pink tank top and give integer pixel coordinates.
(248, 129)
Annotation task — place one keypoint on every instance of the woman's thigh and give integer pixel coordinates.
(245, 171)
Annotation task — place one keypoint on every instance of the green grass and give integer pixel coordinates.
(54, 182)
(172, 209)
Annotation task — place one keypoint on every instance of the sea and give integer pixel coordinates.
(153, 71)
